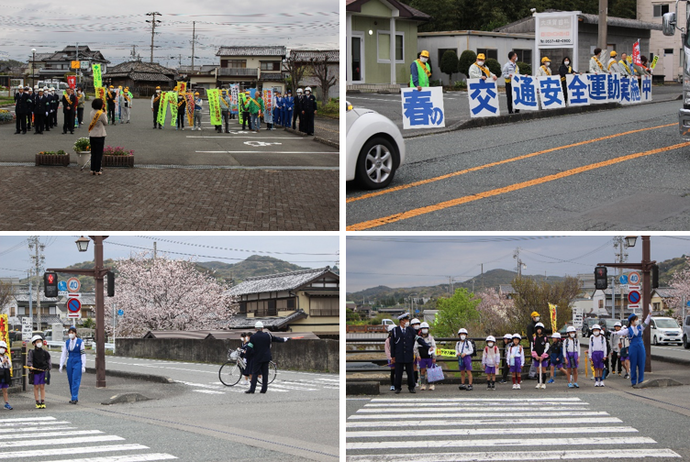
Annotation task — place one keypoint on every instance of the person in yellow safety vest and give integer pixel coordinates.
(595, 66)
(625, 65)
(612, 67)
(545, 69)
(479, 71)
(420, 71)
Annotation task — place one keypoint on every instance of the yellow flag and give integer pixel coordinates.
(554, 323)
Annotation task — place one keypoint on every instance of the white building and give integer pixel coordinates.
(668, 49)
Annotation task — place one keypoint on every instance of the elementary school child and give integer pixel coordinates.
(556, 356)
(38, 361)
(464, 350)
(507, 341)
(516, 358)
(246, 376)
(491, 359)
(415, 323)
(571, 355)
(391, 360)
(539, 344)
(597, 353)
(5, 377)
(427, 356)
(624, 345)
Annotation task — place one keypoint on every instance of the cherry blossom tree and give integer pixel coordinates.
(496, 313)
(681, 283)
(162, 294)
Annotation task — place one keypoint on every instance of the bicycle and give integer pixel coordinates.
(232, 370)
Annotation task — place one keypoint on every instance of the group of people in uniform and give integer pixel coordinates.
(40, 109)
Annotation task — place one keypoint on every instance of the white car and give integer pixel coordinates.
(665, 330)
(375, 148)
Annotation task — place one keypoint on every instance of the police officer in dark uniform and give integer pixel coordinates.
(69, 107)
(298, 110)
(32, 102)
(40, 109)
(110, 98)
(54, 104)
(402, 341)
(21, 109)
(259, 352)
(308, 111)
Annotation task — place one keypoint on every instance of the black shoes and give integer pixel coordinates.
(397, 392)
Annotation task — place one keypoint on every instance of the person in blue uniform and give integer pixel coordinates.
(259, 353)
(636, 350)
(40, 111)
(73, 355)
(278, 109)
(403, 338)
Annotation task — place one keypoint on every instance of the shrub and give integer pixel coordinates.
(525, 69)
(494, 66)
(467, 58)
(449, 64)
(82, 144)
(460, 85)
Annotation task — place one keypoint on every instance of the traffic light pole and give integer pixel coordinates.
(645, 266)
(97, 273)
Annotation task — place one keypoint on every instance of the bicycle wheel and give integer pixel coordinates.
(229, 374)
(272, 372)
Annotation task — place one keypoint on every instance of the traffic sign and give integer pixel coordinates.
(62, 286)
(688, 303)
(27, 329)
(120, 312)
(73, 285)
(623, 279)
(73, 305)
(634, 297)
(75, 65)
(634, 278)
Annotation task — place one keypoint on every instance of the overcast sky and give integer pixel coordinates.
(113, 27)
(400, 261)
(306, 251)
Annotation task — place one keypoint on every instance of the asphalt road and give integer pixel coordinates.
(170, 147)
(195, 418)
(608, 170)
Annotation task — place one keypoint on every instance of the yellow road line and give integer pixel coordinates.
(501, 162)
(495, 192)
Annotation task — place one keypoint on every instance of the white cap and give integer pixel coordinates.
(36, 337)
(259, 325)
(618, 324)
(508, 336)
(462, 331)
(52, 88)
(596, 327)
(415, 321)
(307, 89)
(556, 335)
(490, 338)
(403, 316)
(424, 325)
(538, 325)
(516, 335)
(3, 344)
(571, 329)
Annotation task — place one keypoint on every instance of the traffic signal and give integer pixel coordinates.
(50, 284)
(601, 280)
(111, 284)
(655, 276)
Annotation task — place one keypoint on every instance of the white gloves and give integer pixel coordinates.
(83, 369)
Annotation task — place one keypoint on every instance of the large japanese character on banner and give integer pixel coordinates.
(578, 93)
(646, 94)
(483, 96)
(613, 87)
(598, 91)
(422, 109)
(524, 89)
(625, 90)
(635, 96)
(551, 92)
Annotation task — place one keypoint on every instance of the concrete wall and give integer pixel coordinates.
(659, 42)
(301, 355)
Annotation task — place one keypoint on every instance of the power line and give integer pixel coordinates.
(170, 241)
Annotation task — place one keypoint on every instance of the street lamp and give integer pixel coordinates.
(33, 67)
(82, 244)
(630, 241)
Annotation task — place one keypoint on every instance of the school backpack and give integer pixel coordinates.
(474, 349)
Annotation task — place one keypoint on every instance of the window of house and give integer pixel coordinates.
(243, 307)
(660, 10)
(399, 46)
(657, 306)
(384, 46)
(524, 56)
(235, 63)
(323, 306)
(488, 52)
(270, 66)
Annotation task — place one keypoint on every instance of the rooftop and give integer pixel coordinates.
(252, 51)
(278, 282)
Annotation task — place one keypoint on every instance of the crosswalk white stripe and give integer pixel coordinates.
(521, 455)
(41, 429)
(469, 408)
(516, 442)
(20, 426)
(210, 392)
(482, 400)
(26, 419)
(488, 431)
(48, 451)
(414, 415)
(63, 440)
(445, 404)
(42, 434)
(126, 458)
(291, 387)
(500, 420)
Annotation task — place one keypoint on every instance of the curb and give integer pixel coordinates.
(330, 143)
(129, 375)
(125, 398)
(666, 359)
(295, 132)
(362, 388)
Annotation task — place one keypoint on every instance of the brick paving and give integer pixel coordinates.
(64, 199)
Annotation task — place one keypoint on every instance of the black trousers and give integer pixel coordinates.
(259, 369)
(28, 120)
(68, 122)
(615, 362)
(80, 115)
(226, 120)
(39, 122)
(97, 145)
(246, 119)
(54, 121)
(308, 122)
(409, 370)
(111, 113)
(294, 118)
(509, 97)
(505, 369)
(180, 119)
(21, 123)
(155, 116)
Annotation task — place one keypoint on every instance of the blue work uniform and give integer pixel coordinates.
(289, 103)
(278, 111)
(638, 354)
(75, 357)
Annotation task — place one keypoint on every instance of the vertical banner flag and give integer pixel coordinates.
(172, 98)
(654, 61)
(524, 92)
(117, 103)
(182, 87)
(97, 78)
(72, 81)
(554, 322)
(190, 109)
(268, 105)
(646, 93)
(5, 335)
(636, 53)
(162, 108)
(242, 98)
(551, 92)
(234, 98)
(577, 86)
(483, 95)
(214, 106)
(100, 93)
(422, 109)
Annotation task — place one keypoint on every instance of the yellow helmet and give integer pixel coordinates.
(112, 86)
(614, 54)
(424, 53)
(545, 59)
(481, 56)
(534, 313)
(196, 93)
(158, 88)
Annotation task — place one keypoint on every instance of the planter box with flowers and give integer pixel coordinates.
(82, 147)
(118, 157)
(6, 117)
(52, 158)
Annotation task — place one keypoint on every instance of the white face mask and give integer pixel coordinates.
(158, 91)
(634, 323)
(489, 344)
(572, 335)
(39, 344)
(462, 337)
(537, 318)
(567, 63)
(424, 59)
(2, 351)
(480, 63)
(71, 336)
(596, 333)
(547, 64)
(425, 331)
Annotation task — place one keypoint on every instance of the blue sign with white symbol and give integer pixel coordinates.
(623, 279)
(62, 286)
(688, 303)
(634, 297)
(73, 305)
(120, 312)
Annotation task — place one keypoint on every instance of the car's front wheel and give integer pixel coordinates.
(376, 163)
(654, 342)
(686, 344)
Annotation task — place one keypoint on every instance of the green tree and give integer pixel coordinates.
(525, 69)
(449, 64)
(459, 310)
(467, 58)
(536, 296)
(494, 66)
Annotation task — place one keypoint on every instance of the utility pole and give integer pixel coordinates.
(621, 257)
(516, 256)
(603, 12)
(153, 22)
(193, 42)
(154, 249)
(38, 259)
(133, 54)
